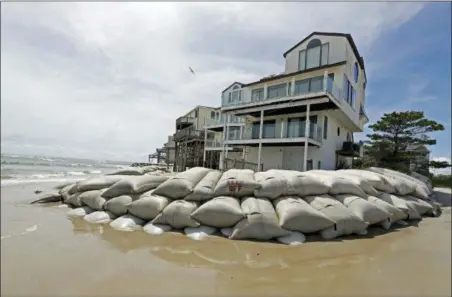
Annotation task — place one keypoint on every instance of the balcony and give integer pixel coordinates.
(287, 91)
(183, 122)
(188, 134)
(218, 124)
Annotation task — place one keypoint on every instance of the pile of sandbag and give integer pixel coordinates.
(283, 205)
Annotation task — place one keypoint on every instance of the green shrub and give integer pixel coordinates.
(444, 181)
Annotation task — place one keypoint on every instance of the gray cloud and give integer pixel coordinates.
(108, 80)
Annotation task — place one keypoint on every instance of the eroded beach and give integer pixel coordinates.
(45, 253)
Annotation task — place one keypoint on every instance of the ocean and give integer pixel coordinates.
(18, 169)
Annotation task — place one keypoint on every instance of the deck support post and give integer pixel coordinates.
(306, 136)
(261, 128)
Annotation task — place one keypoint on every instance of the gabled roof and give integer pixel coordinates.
(236, 82)
(348, 36)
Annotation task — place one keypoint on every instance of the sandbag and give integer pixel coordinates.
(93, 199)
(338, 184)
(179, 186)
(421, 206)
(98, 183)
(300, 184)
(74, 200)
(79, 211)
(100, 217)
(396, 213)
(127, 171)
(199, 233)
(236, 183)
(156, 229)
(423, 179)
(62, 185)
(204, 189)
(177, 215)
(346, 222)
(375, 179)
(260, 222)
(295, 214)
(358, 180)
(363, 209)
(148, 205)
(119, 205)
(68, 191)
(220, 212)
(402, 185)
(273, 184)
(48, 197)
(134, 185)
(410, 210)
(127, 223)
(294, 238)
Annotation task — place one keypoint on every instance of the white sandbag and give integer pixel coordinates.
(295, 214)
(236, 183)
(410, 210)
(421, 206)
(220, 212)
(128, 171)
(127, 223)
(98, 183)
(402, 185)
(148, 205)
(338, 184)
(199, 233)
(69, 189)
(74, 200)
(260, 223)
(423, 179)
(375, 179)
(156, 229)
(358, 180)
(226, 231)
(294, 238)
(273, 184)
(346, 222)
(178, 214)
(62, 185)
(100, 217)
(396, 213)
(79, 211)
(204, 189)
(300, 184)
(134, 185)
(182, 184)
(363, 209)
(119, 205)
(93, 199)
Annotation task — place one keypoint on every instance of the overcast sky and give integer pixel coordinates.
(108, 80)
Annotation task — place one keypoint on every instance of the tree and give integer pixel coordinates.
(439, 164)
(395, 133)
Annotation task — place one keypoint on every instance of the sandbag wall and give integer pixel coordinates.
(277, 204)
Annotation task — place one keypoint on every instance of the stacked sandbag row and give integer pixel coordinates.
(247, 205)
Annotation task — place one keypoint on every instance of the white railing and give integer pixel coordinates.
(221, 121)
(315, 133)
(214, 143)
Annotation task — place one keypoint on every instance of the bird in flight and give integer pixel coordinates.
(191, 70)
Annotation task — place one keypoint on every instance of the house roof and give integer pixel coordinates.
(236, 82)
(348, 36)
(417, 147)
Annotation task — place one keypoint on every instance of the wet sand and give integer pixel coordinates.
(43, 253)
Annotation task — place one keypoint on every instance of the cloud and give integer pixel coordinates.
(445, 171)
(98, 80)
(418, 91)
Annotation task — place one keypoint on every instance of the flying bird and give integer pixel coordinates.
(191, 70)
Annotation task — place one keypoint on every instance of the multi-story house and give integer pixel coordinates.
(305, 117)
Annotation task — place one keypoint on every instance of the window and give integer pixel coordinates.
(316, 84)
(295, 128)
(196, 113)
(355, 72)
(325, 128)
(312, 125)
(319, 164)
(234, 133)
(338, 131)
(212, 114)
(304, 86)
(309, 165)
(349, 92)
(315, 55)
(325, 53)
(257, 95)
(276, 91)
(268, 130)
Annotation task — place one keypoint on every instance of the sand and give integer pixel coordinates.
(43, 253)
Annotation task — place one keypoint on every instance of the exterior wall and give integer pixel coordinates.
(337, 51)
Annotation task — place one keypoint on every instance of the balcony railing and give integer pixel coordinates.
(327, 85)
(221, 121)
(214, 143)
(184, 121)
(188, 133)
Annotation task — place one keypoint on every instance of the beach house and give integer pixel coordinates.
(303, 118)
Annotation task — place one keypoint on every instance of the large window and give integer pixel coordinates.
(257, 95)
(355, 72)
(268, 130)
(312, 125)
(349, 92)
(304, 86)
(325, 127)
(234, 133)
(315, 55)
(212, 114)
(277, 91)
(295, 128)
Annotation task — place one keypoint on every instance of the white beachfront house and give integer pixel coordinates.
(303, 118)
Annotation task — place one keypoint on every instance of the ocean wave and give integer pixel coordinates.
(11, 182)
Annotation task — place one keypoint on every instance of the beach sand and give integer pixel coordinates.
(43, 253)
